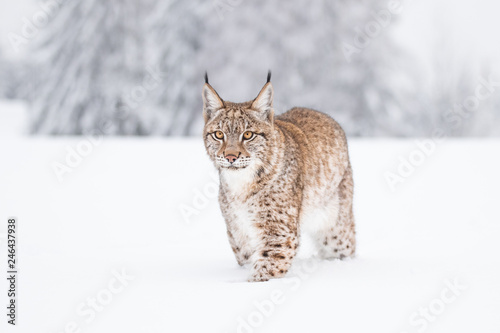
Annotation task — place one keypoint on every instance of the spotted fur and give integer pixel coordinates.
(292, 177)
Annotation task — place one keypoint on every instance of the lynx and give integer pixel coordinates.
(280, 177)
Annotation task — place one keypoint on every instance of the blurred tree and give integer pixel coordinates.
(136, 67)
(175, 35)
(11, 79)
(303, 44)
(4, 76)
(96, 57)
(90, 59)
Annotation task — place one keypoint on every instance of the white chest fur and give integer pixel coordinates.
(237, 183)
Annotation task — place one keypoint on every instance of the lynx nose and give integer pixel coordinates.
(231, 158)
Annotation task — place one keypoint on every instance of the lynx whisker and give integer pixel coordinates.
(239, 163)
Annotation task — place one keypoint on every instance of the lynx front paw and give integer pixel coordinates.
(264, 270)
(243, 259)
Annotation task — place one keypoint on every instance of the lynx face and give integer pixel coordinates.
(238, 135)
(235, 138)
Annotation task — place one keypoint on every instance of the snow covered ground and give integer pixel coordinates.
(132, 240)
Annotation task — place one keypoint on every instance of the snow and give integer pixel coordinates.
(120, 209)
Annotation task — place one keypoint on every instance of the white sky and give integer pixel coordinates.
(469, 27)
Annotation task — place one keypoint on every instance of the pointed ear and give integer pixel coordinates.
(264, 102)
(211, 101)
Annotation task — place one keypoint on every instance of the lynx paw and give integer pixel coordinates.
(264, 270)
(243, 259)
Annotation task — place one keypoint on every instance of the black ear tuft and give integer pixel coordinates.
(206, 77)
(269, 76)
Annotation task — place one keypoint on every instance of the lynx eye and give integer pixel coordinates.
(247, 135)
(219, 135)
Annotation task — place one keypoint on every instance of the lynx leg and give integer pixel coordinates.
(338, 239)
(241, 252)
(275, 257)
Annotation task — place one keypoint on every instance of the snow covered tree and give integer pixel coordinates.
(90, 59)
(11, 76)
(303, 44)
(175, 36)
(4, 77)
(96, 57)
